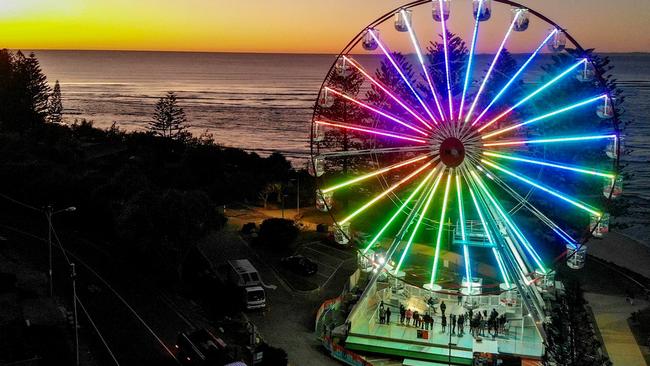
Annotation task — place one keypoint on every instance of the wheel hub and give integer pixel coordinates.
(452, 152)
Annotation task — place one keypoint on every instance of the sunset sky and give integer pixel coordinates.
(307, 26)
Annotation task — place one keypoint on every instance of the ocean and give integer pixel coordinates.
(263, 102)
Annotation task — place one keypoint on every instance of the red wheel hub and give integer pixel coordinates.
(452, 152)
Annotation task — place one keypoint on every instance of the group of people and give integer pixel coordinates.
(384, 313)
(419, 320)
(479, 322)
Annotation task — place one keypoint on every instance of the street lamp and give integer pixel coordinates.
(297, 180)
(49, 212)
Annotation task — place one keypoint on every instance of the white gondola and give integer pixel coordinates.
(325, 99)
(605, 109)
(342, 67)
(403, 20)
(522, 19)
(438, 15)
(615, 147)
(586, 73)
(615, 187)
(369, 43)
(323, 200)
(599, 225)
(317, 169)
(509, 296)
(482, 9)
(342, 233)
(318, 133)
(558, 42)
(576, 256)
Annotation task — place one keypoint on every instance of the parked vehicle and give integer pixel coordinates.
(242, 275)
(300, 264)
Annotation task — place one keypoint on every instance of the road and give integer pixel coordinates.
(135, 318)
(289, 318)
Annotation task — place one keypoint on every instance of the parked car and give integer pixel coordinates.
(300, 264)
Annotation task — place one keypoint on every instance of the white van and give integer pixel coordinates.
(242, 274)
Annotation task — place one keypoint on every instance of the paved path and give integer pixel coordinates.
(611, 314)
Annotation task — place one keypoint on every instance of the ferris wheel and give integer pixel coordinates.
(470, 145)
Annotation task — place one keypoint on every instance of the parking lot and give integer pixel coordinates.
(330, 261)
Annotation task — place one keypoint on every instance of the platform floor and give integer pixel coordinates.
(518, 341)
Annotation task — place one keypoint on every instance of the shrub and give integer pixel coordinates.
(278, 232)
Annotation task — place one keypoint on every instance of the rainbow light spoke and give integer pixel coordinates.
(401, 74)
(461, 218)
(512, 226)
(514, 77)
(549, 164)
(491, 68)
(444, 44)
(378, 111)
(425, 208)
(385, 193)
(552, 192)
(399, 211)
(416, 47)
(551, 140)
(385, 90)
(470, 58)
(544, 116)
(371, 130)
(486, 230)
(441, 225)
(531, 95)
(552, 225)
(375, 173)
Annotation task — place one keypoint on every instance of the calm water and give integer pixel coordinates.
(263, 101)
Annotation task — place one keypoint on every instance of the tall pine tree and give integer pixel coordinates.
(55, 107)
(169, 119)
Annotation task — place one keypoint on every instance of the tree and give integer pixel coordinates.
(169, 119)
(349, 83)
(24, 91)
(269, 189)
(278, 233)
(457, 54)
(55, 106)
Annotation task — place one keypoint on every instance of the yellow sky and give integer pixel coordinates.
(310, 26)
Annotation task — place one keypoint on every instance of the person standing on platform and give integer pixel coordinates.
(460, 298)
(444, 324)
(388, 315)
(452, 323)
(409, 314)
(461, 324)
(402, 314)
(382, 315)
(427, 320)
(416, 319)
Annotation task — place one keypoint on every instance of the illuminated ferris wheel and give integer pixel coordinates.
(465, 164)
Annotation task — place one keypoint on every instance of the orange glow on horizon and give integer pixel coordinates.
(268, 26)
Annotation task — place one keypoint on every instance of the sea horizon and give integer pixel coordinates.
(269, 53)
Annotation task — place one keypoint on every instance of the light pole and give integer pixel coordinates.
(49, 212)
(73, 275)
(297, 180)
